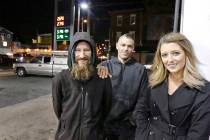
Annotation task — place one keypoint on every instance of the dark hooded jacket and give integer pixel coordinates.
(80, 106)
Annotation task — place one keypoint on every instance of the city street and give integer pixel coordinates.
(26, 107)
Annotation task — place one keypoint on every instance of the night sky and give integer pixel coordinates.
(26, 18)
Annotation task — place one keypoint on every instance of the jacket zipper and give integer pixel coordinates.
(123, 71)
(81, 113)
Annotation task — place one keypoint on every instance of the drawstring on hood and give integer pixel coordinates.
(78, 37)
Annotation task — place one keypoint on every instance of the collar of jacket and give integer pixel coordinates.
(206, 87)
(203, 89)
(117, 61)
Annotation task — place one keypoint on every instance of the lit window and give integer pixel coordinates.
(119, 20)
(132, 19)
(2, 36)
(5, 43)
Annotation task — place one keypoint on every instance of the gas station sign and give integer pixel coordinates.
(62, 34)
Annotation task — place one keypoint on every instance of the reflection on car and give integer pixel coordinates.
(22, 57)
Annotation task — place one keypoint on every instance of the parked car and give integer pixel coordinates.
(22, 57)
(41, 65)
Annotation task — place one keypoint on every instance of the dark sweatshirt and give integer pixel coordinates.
(129, 81)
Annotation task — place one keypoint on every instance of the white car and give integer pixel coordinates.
(41, 65)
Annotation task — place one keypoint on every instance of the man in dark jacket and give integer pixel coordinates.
(81, 99)
(129, 80)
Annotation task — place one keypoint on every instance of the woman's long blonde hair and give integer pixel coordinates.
(191, 75)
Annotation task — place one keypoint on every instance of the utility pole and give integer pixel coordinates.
(55, 19)
(72, 19)
(88, 20)
(78, 18)
(82, 24)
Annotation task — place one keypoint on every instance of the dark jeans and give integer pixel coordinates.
(120, 132)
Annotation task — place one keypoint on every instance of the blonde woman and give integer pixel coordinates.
(177, 104)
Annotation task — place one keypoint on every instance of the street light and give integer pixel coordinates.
(83, 21)
(84, 6)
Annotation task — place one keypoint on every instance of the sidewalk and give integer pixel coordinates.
(31, 120)
(6, 71)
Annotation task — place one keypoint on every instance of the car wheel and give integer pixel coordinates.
(21, 72)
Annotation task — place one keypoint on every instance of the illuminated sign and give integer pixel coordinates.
(62, 34)
(5, 43)
(60, 18)
(60, 21)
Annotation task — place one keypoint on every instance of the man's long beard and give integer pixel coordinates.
(82, 73)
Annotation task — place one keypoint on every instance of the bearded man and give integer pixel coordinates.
(81, 99)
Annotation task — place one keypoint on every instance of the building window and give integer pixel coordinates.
(2, 36)
(132, 33)
(8, 36)
(118, 34)
(5, 43)
(119, 20)
(132, 19)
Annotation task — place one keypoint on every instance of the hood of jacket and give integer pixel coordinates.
(78, 37)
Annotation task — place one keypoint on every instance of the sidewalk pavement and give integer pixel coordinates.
(31, 120)
(6, 72)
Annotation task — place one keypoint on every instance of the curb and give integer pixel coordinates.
(7, 73)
